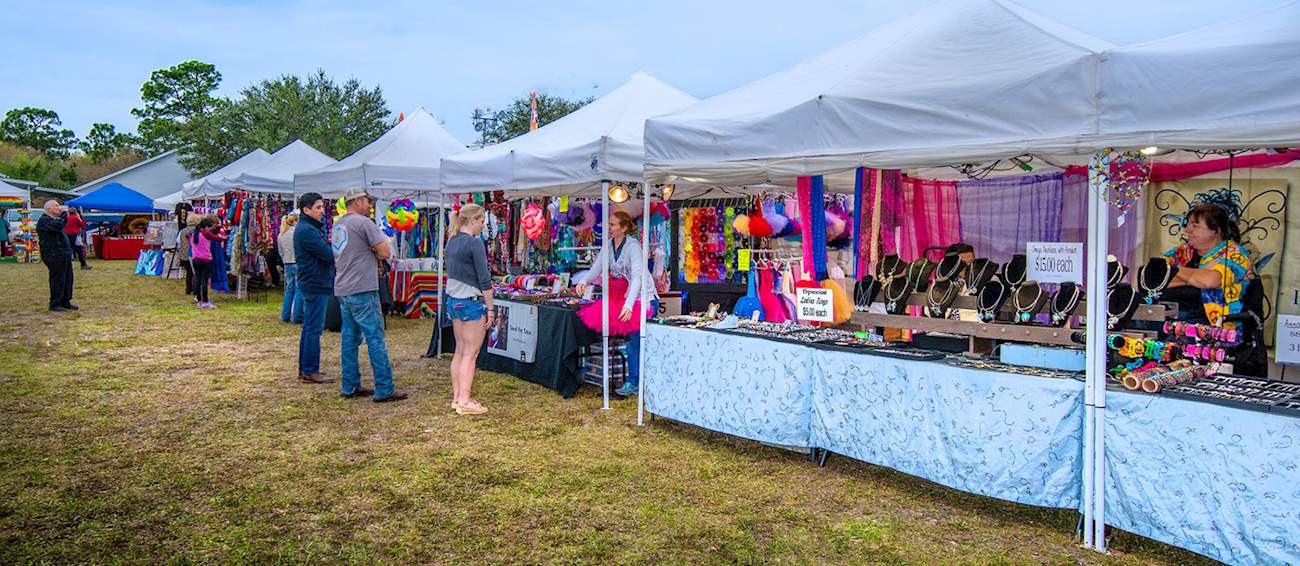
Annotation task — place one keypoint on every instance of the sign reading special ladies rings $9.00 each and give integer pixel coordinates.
(1054, 262)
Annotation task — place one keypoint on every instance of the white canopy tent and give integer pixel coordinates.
(1229, 85)
(12, 192)
(198, 188)
(978, 81)
(169, 202)
(273, 175)
(577, 154)
(401, 163)
(886, 97)
(601, 141)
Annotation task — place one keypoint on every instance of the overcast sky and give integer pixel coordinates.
(87, 59)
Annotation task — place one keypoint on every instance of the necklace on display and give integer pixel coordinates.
(1061, 313)
(982, 272)
(1114, 273)
(890, 267)
(948, 268)
(864, 293)
(1112, 316)
(997, 291)
(1015, 270)
(1164, 272)
(1025, 312)
(939, 308)
(896, 294)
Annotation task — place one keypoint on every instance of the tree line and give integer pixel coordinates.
(180, 110)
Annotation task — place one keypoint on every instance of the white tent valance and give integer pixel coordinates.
(201, 187)
(600, 141)
(401, 163)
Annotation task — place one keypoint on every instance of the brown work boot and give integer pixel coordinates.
(314, 378)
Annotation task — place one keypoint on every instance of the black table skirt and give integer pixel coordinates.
(560, 336)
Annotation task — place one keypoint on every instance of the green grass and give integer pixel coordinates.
(143, 430)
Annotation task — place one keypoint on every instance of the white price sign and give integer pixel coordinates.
(1054, 262)
(814, 305)
(1288, 339)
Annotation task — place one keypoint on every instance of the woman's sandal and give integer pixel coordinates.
(463, 410)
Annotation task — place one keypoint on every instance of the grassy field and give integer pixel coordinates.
(143, 430)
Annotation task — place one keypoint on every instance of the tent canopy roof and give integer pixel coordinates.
(402, 162)
(113, 197)
(1229, 85)
(202, 186)
(600, 141)
(275, 174)
(8, 191)
(977, 80)
(901, 90)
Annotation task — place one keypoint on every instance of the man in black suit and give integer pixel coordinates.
(56, 254)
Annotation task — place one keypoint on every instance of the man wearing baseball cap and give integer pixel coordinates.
(359, 246)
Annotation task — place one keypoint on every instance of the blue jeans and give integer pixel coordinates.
(313, 323)
(634, 348)
(291, 308)
(362, 317)
(465, 310)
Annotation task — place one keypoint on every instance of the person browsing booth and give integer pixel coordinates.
(359, 246)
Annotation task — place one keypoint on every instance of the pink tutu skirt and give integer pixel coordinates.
(590, 314)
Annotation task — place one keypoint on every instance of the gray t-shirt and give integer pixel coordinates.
(356, 268)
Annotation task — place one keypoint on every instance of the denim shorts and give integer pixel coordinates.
(465, 309)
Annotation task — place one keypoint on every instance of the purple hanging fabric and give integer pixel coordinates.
(999, 216)
(1123, 238)
(891, 209)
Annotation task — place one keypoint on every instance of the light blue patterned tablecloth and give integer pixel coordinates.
(749, 387)
(1008, 436)
(1220, 481)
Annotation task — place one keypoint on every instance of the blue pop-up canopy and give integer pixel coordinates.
(114, 197)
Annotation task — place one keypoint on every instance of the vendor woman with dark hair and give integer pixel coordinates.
(1215, 279)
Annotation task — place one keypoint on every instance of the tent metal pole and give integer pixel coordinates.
(604, 291)
(1097, 343)
(645, 300)
(439, 275)
(1090, 357)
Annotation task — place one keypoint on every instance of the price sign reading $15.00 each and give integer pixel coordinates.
(1054, 262)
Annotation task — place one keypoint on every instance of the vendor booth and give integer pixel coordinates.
(126, 240)
(983, 337)
(400, 169)
(251, 202)
(12, 197)
(542, 232)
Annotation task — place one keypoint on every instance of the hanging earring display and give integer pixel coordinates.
(1121, 175)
